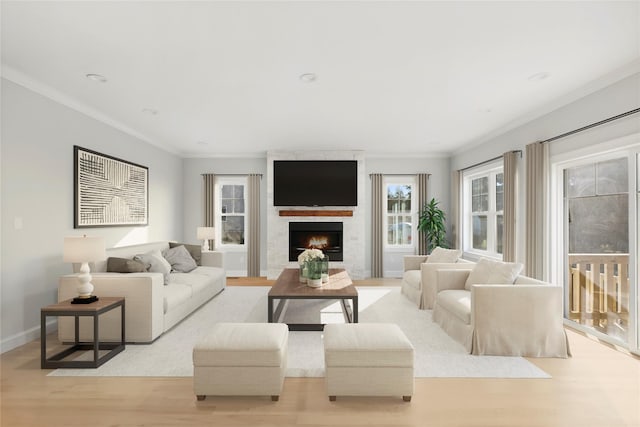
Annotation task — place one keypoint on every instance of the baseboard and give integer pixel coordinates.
(236, 273)
(29, 335)
(392, 274)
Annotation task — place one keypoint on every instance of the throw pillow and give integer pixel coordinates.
(194, 250)
(439, 254)
(488, 271)
(180, 259)
(125, 265)
(155, 263)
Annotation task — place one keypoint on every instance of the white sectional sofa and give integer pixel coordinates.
(521, 318)
(152, 307)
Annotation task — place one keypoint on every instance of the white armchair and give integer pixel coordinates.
(520, 319)
(419, 278)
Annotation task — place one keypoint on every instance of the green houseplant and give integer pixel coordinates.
(431, 224)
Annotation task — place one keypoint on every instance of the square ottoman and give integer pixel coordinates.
(368, 359)
(241, 359)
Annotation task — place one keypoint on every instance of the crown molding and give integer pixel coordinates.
(247, 155)
(573, 96)
(21, 79)
(405, 155)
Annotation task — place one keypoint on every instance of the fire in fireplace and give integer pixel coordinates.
(326, 236)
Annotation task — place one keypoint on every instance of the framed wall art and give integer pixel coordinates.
(108, 192)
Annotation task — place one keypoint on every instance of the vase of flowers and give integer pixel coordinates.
(310, 261)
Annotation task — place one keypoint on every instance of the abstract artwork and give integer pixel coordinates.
(108, 192)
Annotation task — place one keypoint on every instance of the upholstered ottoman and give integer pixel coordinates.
(241, 359)
(368, 359)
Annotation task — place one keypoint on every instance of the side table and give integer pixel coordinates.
(95, 309)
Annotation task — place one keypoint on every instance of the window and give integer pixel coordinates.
(483, 205)
(400, 215)
(231, 212)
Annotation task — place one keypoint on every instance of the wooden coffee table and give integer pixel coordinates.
(288, 287)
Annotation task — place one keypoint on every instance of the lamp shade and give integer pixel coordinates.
(83, 249)
(206, 233)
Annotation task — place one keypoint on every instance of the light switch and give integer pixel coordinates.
(17, 223)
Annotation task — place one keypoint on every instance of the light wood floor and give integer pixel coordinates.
(599, 386)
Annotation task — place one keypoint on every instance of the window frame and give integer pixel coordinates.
(400, 180)
(220, 182)
(556, 267)
(489, 170)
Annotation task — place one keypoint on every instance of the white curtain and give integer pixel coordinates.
(376, 224)
(253, 239)
(537, 163)
(209, 198)
(422, 180)
(510, 160)
(456, 203)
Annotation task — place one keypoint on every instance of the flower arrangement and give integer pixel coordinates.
(310, 261)
(310, 255)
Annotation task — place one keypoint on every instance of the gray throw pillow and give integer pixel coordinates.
(125, 265)
(180, 259)
(155, 263)
(194, 250)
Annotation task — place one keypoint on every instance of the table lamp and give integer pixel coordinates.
(205, 234)
(84, 250)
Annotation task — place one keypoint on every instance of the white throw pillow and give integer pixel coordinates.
(439, 254)
(155, 263)
(488, 271)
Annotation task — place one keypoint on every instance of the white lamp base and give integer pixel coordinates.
(85, 287)
(205, 245)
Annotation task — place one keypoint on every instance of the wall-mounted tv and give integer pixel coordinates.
(315, 183)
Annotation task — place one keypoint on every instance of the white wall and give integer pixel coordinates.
(439, 187)
(38, 135)
(193, 187)
(612, 100)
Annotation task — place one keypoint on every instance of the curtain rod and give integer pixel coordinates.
(491, 160)
(400, 174)
(592, 125)
(231, 174)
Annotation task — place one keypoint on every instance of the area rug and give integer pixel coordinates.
(436, 354)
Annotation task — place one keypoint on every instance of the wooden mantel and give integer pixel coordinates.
(315, 212)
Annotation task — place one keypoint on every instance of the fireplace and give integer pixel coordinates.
(326, 236)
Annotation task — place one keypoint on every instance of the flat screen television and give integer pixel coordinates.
(315, 183)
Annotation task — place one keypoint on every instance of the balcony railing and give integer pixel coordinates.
(599, 292)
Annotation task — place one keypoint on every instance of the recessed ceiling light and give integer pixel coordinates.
(96, 78)
(539, 76)
(150, 111)
(308, 77)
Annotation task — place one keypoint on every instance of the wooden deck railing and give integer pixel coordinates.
(599, 291)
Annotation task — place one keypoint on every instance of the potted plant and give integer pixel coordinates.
(431, 224)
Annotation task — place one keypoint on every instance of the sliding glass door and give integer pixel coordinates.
(597, 215)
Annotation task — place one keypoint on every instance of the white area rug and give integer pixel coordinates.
(436, 354)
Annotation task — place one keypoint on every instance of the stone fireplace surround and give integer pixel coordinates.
(353, 226)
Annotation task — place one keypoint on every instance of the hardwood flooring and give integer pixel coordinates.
(598, 386)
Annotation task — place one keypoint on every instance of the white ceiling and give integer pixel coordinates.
(409, 77)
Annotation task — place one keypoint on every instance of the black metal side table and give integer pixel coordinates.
(95, 309)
